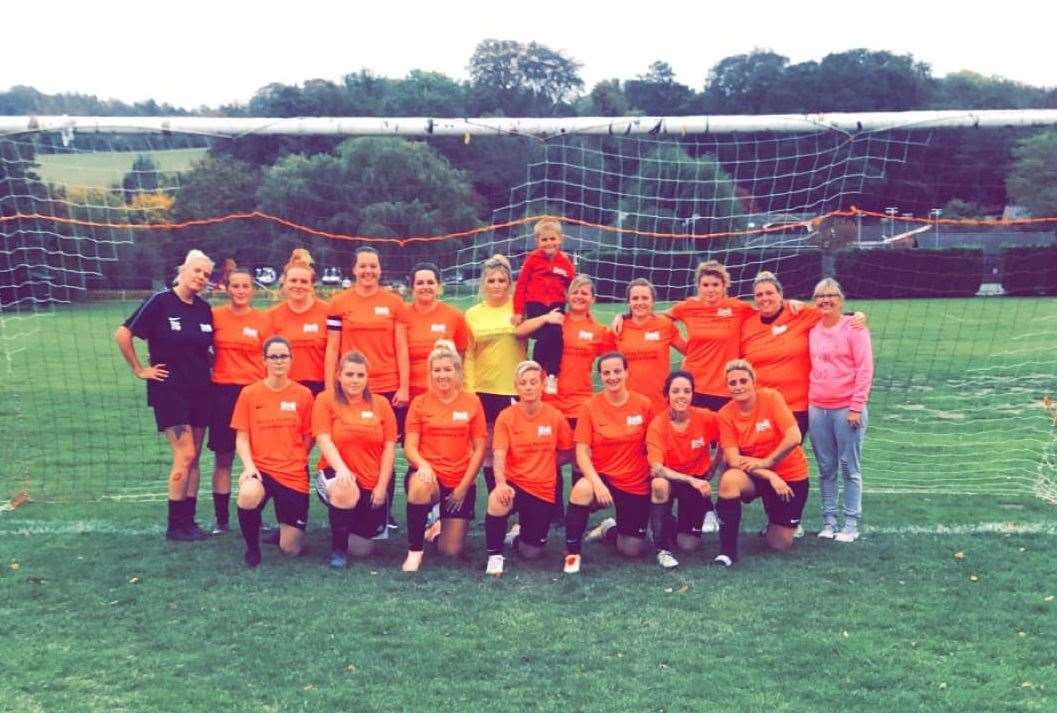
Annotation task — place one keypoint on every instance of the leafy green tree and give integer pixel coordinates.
(656, 93)
(607, 98)
(427, 94)
(143, 177)
(1032, 182)
(522, 80)
(744, 83)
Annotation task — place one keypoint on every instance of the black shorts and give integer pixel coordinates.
(692, 506)
(493, 405)
(802, 423)
(291, 507)
(316, 387)
(468, 511)
(400, 413)
(534, 516)
(632, 511)
(709, 401)
(221, 435)
(181, 407)
(367, 522)
(780, 512)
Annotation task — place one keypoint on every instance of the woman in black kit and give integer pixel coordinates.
(177, 325)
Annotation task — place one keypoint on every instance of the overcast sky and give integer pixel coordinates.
(192, 53)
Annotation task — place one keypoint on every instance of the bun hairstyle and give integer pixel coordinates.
(496, 262)
(192, 255)
(765, 277)
(301, 258)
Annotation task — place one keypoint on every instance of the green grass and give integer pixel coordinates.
(100, 613)
(102, 170)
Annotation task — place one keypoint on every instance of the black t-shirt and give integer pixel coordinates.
(179, 335)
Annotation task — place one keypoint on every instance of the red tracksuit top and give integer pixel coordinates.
(543, 279)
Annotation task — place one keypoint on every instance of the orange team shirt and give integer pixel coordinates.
(617, 437)
(686, 452)
(359, 432)
(423, 331)
(583, 341)
(781, 353)
(758, 433)
(307, 333)
(237, 341)
(368, 325)
(532, 446)
(446, 433)
(277, 422)
(713, 335)
(647, 348)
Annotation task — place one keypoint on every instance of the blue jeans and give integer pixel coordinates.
(838, 445)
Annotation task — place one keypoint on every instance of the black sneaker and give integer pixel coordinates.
(219, 529)
(338, 560)
(270, 535)
(180, 534)
(196, 532)
(252, 558)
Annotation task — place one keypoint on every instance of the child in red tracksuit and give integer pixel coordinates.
(541, 287)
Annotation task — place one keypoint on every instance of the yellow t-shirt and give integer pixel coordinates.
(493, 352)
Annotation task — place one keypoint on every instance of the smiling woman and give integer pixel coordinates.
(177, 325)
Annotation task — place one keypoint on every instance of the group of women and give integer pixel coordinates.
(361, 374)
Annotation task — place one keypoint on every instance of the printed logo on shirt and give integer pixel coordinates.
(635, 420)
(697, 443)
(652, 336)
(174, 324)
(381, 311)
(366, 415)
(724, 312)
(543, 431)
(560, 271)
(310, 328)
(764, 425)
(437, 328)
(249, 332)
(586, 336)
(779, 329)
(460, 416)
(288, 406)
(206, 327)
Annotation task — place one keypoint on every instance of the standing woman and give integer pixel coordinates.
(428, 320)
(583, 341)
(646, 340)
(238, 333)
(528, 437)
(610, 442)
(356, 432)
(761, 448)
(302, 319)
(841, 375)
(177, 325)
(678, 445)
(273, 421)
(495, 346)
(372, 321)
(444, 445)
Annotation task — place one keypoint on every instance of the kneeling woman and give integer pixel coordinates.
(761, 446)
(528, 436)
(444, 444)
(610, 442)
(273, 424)
(678, 445)
(356, 432)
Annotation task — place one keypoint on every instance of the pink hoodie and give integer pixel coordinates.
(841, 365)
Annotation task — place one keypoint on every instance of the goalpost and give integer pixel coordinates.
(906, 209)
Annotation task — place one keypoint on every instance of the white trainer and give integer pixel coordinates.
(848, 533)
(495, 565)
(572, 564)
(551, 385)
(827, 532)
(666, 560)
(512, 534)
(723, 560)
(711, 523)
(600, 531)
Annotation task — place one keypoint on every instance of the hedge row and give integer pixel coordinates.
(888, 274)
(1029, 271)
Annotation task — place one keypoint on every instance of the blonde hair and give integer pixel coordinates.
(828, 283)
(765, 277)
(442, 352)
(496, 262)
(192, 255)
(579, 281)
(740, 365)
(526, 366)
(714, 268)
(547, 224)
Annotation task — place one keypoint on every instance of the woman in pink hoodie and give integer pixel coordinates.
(841, 374)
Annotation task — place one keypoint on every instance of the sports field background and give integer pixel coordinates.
(946, 603)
